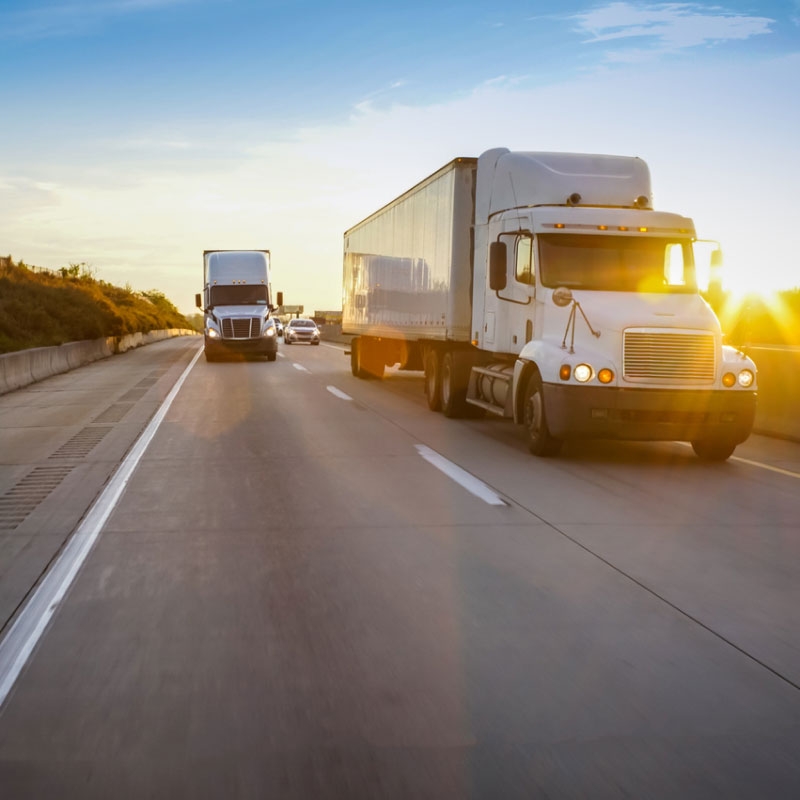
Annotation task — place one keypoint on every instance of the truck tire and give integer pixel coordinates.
(209, 357)
(713, 449)
(454, 380)
(433, 380)
(272, 356)
(540, 441)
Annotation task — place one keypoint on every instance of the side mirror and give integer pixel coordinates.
(497, 266)
(280, 298)
(198, 300)
(715, 273)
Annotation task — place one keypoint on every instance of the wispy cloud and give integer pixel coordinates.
(71, 19)
(670, 27)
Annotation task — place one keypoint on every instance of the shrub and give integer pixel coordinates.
(39, 307)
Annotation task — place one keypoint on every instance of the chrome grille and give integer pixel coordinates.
(241, 327)
(668, 356)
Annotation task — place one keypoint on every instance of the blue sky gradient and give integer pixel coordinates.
(242, 115)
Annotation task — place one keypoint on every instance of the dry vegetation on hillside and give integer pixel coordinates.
(40, 307)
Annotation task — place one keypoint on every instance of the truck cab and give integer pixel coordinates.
(236, 303)
(588, 301)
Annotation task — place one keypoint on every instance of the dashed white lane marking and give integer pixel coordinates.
(281, 355)
(339, 347)
(758, 464)
(461, 476)
(300, 367)
(338, 393)
(17, 646)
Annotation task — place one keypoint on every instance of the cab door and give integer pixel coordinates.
(510, 311)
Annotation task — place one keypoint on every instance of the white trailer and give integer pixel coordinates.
(237, 304)
(543, 287)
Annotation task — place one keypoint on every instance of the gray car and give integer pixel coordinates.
(301, 330)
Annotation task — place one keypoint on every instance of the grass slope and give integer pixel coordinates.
(41, 307)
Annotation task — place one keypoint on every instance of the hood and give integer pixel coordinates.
(615, 311)
(224, 312)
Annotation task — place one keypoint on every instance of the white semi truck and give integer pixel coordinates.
(544, 287)
(237, 304)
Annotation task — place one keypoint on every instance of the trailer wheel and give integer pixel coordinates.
(713, 449)
(433, 380)
(454, 386)
(540, 441)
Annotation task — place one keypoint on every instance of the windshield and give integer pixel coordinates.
(254, 295)
(616, 263)
(301, 323)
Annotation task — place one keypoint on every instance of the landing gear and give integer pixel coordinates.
(366, 359)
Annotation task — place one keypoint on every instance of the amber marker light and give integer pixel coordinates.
(565, 372)
(728, 379)
(559, 225)
(622, 228)
(602, 227)
(605, 375)
(642, 230)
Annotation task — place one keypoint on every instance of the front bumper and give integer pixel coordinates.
(648, 414)
(263, 345)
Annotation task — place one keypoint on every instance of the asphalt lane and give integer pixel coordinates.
(290, 602)
(60, 439)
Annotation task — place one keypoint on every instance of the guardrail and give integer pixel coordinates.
(778, 410)
(24, 367)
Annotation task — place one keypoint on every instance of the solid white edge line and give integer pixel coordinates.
(338, 393)
(18, 644)
(758, 464)
(300, 367)
(461, 476)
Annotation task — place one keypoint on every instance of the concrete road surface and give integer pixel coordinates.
(314, 587)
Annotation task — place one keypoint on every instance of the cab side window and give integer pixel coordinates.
(524, 268)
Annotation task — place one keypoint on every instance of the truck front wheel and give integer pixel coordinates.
(713, 449)
(540, 441)
(433, 380)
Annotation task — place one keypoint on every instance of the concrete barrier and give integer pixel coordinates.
(16, 371)
(778, 411)
(331, 332)
(37, 363)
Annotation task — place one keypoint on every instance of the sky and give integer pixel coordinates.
(137, 133)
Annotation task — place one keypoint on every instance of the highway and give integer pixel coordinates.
(312, 586)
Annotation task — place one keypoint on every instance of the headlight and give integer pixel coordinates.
(270, 331)
(212, 334)
(583, 373)
(746, 378)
